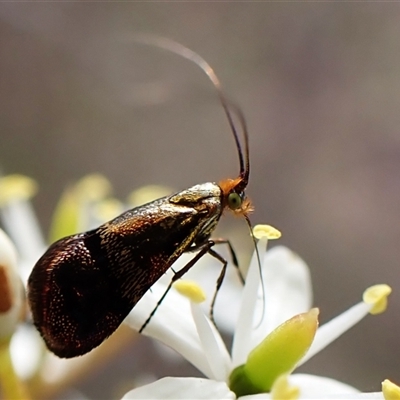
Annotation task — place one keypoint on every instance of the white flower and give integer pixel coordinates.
(19, 220)
(81, 207)
(183, 326)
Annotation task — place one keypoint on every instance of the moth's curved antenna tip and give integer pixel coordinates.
(185, 52)
(180, 49)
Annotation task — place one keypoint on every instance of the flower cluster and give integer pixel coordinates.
(274, 334)
(275, 327)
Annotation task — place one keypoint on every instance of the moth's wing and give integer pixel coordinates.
(71, 297)
(84, 286)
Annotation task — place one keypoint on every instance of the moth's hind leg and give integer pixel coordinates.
(231, 251)
(224, 267)
(203, 249)
(233, 256)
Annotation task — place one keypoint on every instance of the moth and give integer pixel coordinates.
(84, 285)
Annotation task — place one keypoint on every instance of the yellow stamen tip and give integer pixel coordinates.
(148, 193)
(93, 187)
(282, 391)
(191, 290)
(268, 231)
(390, 390)
(377, 297)
(16, 187)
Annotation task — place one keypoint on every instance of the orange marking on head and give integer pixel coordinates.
(228, 185)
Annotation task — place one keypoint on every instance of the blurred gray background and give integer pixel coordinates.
(319, 84)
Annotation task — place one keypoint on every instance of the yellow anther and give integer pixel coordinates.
(390, 390)
(377, 297)
(16, 187)
(191, 290)
(93, 187)
(268, 231)
(148, 193)
(282, 391)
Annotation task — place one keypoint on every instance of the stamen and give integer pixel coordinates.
(93, 187)
(191, 290)
(267, 231)
(377, 297)
(16, 186)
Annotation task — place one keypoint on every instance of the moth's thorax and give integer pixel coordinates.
(200, 197)
(206, 199)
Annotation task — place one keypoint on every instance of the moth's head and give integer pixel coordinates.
(234, 196)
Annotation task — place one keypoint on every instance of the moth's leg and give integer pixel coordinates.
(204, 248)
(224, 266)
(219, 281)
(233, 256)
(231, 250)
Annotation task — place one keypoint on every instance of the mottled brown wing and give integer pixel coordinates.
(84, 286)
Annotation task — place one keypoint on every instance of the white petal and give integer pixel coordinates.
(348, 396)
(20, 222)
(288, 292)
(330, 331)
(26, 350)
(316, 387)
(242, 343)
(288, 289)
(8, 254)
(322, 396)
(213, 346)
(172, 325)
(182, 388)
(313, 386)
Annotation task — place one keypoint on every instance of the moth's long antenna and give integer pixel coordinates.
(244, 173)
(185, 52)
(244, 162)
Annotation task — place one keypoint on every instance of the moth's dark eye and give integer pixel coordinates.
(234, 201)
